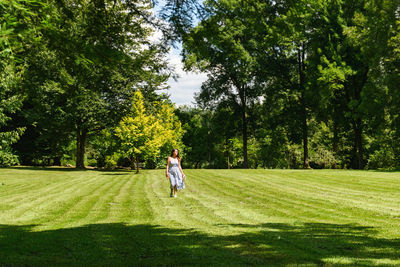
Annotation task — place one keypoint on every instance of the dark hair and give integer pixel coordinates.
(177, 155)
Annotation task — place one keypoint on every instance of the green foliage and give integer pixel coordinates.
(82, 71)
(382, 158)
(20, 22)
(105, 146)
(144, 136)
(287, 81)
(10, 102)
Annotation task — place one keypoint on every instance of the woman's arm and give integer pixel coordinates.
(180, 168)
(166, 173)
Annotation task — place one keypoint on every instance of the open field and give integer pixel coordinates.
(222, 218)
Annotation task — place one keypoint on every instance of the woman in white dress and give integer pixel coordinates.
(175, 173)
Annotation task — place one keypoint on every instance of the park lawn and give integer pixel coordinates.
(222, 218)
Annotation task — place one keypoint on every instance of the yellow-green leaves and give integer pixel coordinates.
(142, 134)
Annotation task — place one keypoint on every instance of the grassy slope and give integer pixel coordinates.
(223, 217)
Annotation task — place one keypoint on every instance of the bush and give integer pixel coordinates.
(323, 158)
(382, 158)
(8, 159)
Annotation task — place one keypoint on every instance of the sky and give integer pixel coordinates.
(182, 90)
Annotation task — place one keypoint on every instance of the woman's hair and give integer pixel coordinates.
(177, 155)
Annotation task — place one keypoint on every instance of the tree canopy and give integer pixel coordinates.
(290, 84)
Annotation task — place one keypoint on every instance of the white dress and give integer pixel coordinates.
(175, 175)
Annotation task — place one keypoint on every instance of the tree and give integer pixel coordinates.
(352, 66)
(142, 134)
(392, 80)
(222, 45)
(98, 54)
(20, 23)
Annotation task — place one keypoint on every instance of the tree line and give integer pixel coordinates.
(291, 84)
(304, 83)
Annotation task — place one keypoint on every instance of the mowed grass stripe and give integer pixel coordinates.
(224, 205)
(354, 181)
(256, 201)
(180, 207)
(45, 199)
(266, 202)
(64, 202)
(80, 206)
(142, 211)
(38, 190)
(363, 201)
(333, 189)
(233, 217)
(304, 193)
(280, 198)
(356, 195)
(235, 204)
(94, 206)
(100, 211)
(323, 181)
(297, 249)
(164, 208)
(33, 178)
(119, 205)
(196, 213)
(285, 205)
(53, 189)
(126, 212)
(328, 202)
(332, 203)
(227, 207)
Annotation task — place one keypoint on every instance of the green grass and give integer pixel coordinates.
(222, 218)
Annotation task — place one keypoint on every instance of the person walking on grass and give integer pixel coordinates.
(175, 173)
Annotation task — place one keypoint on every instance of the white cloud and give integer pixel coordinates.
(182, 91)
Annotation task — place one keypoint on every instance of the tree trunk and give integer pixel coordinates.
(358, 84)
(245, 160)
(306, 163)
(80, 149)
(57, 161)
(301, 58)
(358, 145)
(137, 164)
(132, 161)
(335, 145)
(244, 131)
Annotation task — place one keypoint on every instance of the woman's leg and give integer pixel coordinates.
(175, 190)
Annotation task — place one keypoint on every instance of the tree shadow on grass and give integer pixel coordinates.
(386, 170)
(47, 168)
(117, 173)
(66, 169)
(117, 244)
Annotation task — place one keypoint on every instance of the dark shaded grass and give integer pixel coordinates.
(116, 244)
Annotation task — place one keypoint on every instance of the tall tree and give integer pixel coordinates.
(352, 64)
(142, 133)
(21, 22)
(298, 31)
(222, 45)
(101, 54)
(392, 80)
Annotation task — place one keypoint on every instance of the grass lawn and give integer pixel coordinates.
(222, 218)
